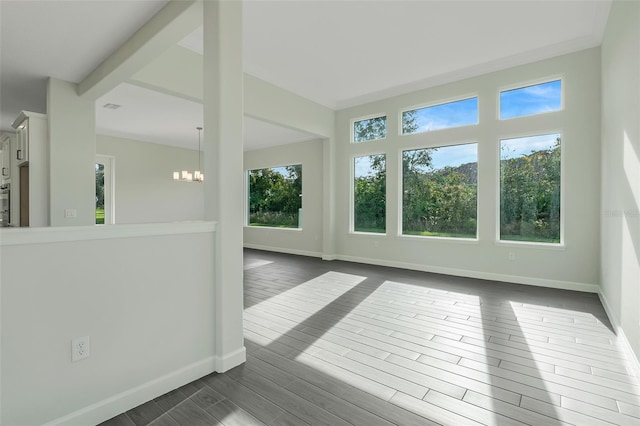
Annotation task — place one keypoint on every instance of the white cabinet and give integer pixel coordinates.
(23, 135)
(30, 175)
(5, 157)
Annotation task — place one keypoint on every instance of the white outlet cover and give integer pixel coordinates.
(80, 348)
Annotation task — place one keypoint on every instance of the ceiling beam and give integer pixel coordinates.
(166, 28)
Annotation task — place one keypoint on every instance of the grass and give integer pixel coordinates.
(99, 216)
(529, 239)
(272, 225)
(439, 234)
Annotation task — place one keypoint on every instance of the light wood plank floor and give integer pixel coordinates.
(337, 343)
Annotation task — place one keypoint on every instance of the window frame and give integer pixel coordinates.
(353, 121)
(400, 227)
(352, 195)
(530, 83)
(498, 171)
(464, 97)
(247, 193)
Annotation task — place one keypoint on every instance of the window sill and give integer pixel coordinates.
(531, 244)
(434, 238)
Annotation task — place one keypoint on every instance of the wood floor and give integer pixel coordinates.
(337, 343)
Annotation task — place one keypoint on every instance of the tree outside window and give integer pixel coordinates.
(275, 196)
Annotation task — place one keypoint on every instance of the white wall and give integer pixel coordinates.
(72, 149)
(620, 217)
(144, 187)
(151, 324)
(573, 266)
(308, 240)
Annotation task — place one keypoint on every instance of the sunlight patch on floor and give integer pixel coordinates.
(315, 291)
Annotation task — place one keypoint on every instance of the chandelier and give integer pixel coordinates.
(187, 176)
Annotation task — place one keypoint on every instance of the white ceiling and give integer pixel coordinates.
(151, 116)
(337, 53)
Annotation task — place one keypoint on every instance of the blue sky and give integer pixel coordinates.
(530, 100)
(452, 114)
(511, 148)
(363, 166)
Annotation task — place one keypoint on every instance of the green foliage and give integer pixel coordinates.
(274, 198)
(370, 197)
(100, 216)
(100, 186)
(530, 196)
(409, 124)
(370, 129)
(437, 202)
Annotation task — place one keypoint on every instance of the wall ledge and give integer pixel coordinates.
(57, 234)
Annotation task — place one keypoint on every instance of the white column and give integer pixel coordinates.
(72, 155)
(224, 175)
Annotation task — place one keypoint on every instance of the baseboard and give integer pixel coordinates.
(104, 410)
(329, 257)
(634, 367)
(234, 359)
(539, 282)
(283, 250)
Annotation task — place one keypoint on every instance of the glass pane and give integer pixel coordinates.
(99, 194)
(530, 189)
(370, 129)
(443, 116)
(544, 97)
(370, 194)
(440, 191)
(275, 197)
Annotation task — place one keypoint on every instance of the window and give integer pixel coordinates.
(275, 197)
(104, 190)
(370, 129)
(369, 209)
(530, 189)
(443, 116)
(440, 191)
(530, 100)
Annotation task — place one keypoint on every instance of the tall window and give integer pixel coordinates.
(369, 209)
(530, 189)
(105, 211)
(275, 197)
(530, 100)
(443, 116)
(370, 129)
(440, 187)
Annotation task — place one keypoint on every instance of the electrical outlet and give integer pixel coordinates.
(512, 256)
(70, 213)
(80, 348)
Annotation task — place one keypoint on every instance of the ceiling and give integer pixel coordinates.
(336, 53)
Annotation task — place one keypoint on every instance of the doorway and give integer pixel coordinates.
(105, 209)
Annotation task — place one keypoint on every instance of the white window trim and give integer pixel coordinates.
(247, 191)
(532, 244)
(352, 136)
(522, 85)
(352, 196)
(400, 228)
(438, 103)
(109, 187)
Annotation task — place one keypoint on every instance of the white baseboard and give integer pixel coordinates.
(283, 250)
(540, 282)
(633, 367)
(329, 257)
(114, 405)
(234, 359)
